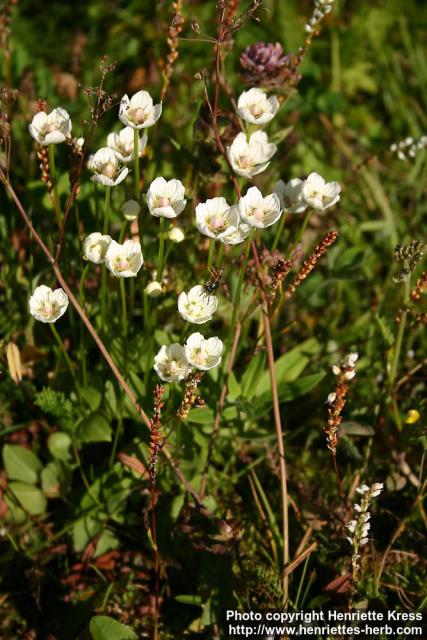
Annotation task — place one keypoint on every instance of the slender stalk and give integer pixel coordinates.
(82, 332)
(64, 353)
(237, 295)
(54, 196)
(161, 249)
(279, 431)
(211, 252)
(303, 228)
(123, 231)
(399, 340)
(103, 267)
(279, 232)
(136, 163)
(119, 429)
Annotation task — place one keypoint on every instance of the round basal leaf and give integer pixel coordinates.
(21, 464)
(30, 497)
(55, 479)
(59, 444)
(105, 628)
(95, 428)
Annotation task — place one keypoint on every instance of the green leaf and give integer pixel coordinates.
(59, 444)
(95, 428)
(189, 599)
(30, 497)
(105, 628)
(289, 366)
(201, 416)
(349, 259)
(84, 530)
(252, 373)
(287, 391)
(56, 478)
(21, 464)
(106, 541)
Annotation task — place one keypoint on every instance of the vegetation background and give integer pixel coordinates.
(85, 549)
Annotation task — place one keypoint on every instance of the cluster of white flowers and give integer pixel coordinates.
(175, 362)
(359, 527)
(321, 9)
(409, 147)
(296, 195)
(231, 224)
(51, 128)
(48, 305)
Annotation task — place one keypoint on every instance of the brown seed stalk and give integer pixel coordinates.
(311, 261)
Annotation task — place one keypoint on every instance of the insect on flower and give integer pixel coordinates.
(214, 281)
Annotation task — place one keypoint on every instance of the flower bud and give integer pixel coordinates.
(176, 234)
(154, 289)
(131, 209)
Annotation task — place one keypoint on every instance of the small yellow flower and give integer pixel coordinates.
(412, 416)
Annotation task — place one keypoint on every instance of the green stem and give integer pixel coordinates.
(82, 328)
(54, 194)
(136, 162)
(399, 340)
(161, 249)
(279, 232)
(236, 299)
(211, 252)
(65, 354)
(104, 268)
(303, 228)
(125, 351)
(220, 255)
(123, 231)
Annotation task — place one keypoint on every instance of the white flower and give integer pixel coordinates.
(106, 168)
(290, 195)
(376, 489)
(349, 375)
(357, 507)
(362, 489)
(89, 164)
(154, 289)
(237, 236)
(171, 363)
(203, 354)
(124, 260)
(331, 397)
(197, 306)
(95, 247)
(216, 219)
(336, 370)
(254, 106)
(51, 128)
(139, 112)
(319, 194)
(166, 198)
(78, 143)
(352, 359)
(250, 157)
(176, 235)
(351, 526)
(258, 211)
(48, 305)
(122, 144)
(131, 209)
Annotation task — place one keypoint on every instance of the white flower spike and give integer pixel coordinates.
(171, 363)
(48, 305)
(139, 112)
(216, 219)
(95, 247)
(203, 354)
(122, 144)
(124, 260)
(250, 157)
(290, 195)
(258, 211)
(319, 194)
(52, 128)
(197, 306)
(165, 198)
(106, 168)
(254, 106)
